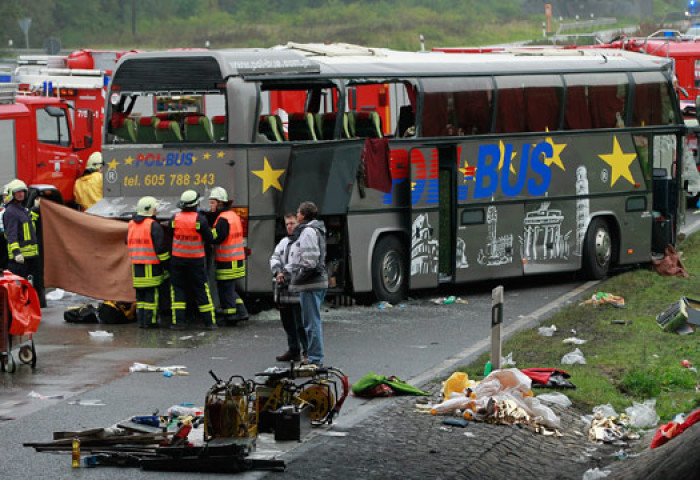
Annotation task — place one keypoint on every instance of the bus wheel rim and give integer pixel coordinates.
(603, 248)
(392, 272)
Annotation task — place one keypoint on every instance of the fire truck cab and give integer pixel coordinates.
(38, 140)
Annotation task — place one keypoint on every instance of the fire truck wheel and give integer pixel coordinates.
(597, 250)
(389, 269)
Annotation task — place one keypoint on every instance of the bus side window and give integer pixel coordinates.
(596, 100)
(457, 106)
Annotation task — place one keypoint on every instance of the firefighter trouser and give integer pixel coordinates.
(190, 276)
(147, 306)
(25, 270)
(229, 298)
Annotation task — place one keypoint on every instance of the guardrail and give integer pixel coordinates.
(586, 24)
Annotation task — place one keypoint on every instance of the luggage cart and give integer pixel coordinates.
(26, 350)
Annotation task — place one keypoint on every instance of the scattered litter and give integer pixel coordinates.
(556, 398)
(507, 360)
(332, 433)
(87, 403)
(186, 337)
(676, 427)
(56, 294)
(573, 358)
(383, 305)
(417, 346)
(201, 334)
(683, 317)
(547, 331)
(445, 429)
(449, 300)
(401, 305)
(144, 367)
(610, 429)
(606, 410)
(185, 411)
(643, 415)
(469, 434)
(219, 358)
(621, 322)
(595, 473)
(456, 422)
(604, 298)
(574, 341)
(34, 394)
(686, 363)
(101, 334)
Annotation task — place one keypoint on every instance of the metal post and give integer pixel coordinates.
(496, 320)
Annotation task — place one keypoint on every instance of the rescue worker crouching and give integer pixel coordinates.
(188, 266)
(149, 255)
(88, 188)
(20, 231)
(229, 256)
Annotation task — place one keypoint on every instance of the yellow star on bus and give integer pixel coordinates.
(620, 163)
(206, 156)
(269, 176)
(113, 164)
(128, 160)
(220, 155)
(194, 158)
(557, 148)
(502, 148)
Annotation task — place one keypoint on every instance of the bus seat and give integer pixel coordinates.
(407, 119)
(124, 128)
(368, 124)
(301, 126)
(219, 125)
(146, 131)
(328, 125)
(198, 129)
(269, 126)
(168, 131)
(280, 126)
(318, 126)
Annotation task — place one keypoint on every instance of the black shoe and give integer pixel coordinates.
(241, 313)
(177, 326)
(288, 356)
(150, 325)
(210, 326)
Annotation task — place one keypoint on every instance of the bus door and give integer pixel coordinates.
(487, 223)
(446, 211)
(665, 190)
(425, 217)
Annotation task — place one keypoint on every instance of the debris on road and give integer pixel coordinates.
(573, 358)
(604, 298)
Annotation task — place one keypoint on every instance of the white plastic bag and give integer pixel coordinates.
(555, 397)
(643, 415)
(547, 331)
(595, 474)
(507, 360)
(606, 410)
(573, 358)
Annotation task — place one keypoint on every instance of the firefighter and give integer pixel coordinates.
(20, 232)
(149, 256)
(88, 188)
(229, 256)
(188, 266)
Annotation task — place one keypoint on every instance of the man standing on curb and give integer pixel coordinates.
(307, 266)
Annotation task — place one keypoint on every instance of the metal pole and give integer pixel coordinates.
(496, 320)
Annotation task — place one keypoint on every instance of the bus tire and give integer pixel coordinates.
(389, 270)
(597, 250)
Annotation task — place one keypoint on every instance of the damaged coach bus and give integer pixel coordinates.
(427, 168)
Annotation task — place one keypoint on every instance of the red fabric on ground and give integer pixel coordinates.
(541, 375)
(668, 431)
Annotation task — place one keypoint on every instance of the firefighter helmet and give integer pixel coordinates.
(13, 187)
(218, 193)
(94, 161)
(146, 206)
(188, 199)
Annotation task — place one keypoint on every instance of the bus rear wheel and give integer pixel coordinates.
(597, 250)
(389, 270)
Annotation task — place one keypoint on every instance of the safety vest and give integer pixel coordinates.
(187, 242)
(231, 249)
(140, 243)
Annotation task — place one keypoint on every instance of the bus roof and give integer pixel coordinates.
(169, 69)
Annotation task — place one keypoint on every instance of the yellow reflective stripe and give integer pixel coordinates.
(164, 256)
(30, 250)
(229, 311)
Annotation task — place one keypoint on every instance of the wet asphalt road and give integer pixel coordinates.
(417, 342)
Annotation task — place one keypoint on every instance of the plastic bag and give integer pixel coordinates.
(643, 415)
(595, 474)
(507, 360)
(555, 397)
(573, 358)
(547, 331)
(457, 382)
(606, 410)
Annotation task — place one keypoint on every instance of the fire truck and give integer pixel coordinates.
(80, 79)
(41, 140)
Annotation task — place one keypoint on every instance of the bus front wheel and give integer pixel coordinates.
(389, 270)
(597, 250)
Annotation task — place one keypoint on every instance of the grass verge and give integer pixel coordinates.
(625, 363)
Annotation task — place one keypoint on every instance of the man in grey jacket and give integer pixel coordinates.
(307, 267)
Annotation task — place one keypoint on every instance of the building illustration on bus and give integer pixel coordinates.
(428, 168)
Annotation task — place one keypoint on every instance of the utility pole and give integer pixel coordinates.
(133, 17)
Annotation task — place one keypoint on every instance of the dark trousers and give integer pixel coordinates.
(228, 296)
(26, 269)
(190, 276)
(147, 306)
(294, 328)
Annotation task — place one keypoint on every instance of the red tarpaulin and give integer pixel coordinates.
(85, 254)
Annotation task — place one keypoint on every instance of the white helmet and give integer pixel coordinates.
(146, 206)
(188, 199)
(13, 187)
(218, 193)
(94, 161)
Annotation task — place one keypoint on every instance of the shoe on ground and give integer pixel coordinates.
(307, 362)
(210, 326)
(150, 325)
(177, 326)
(288, 356)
